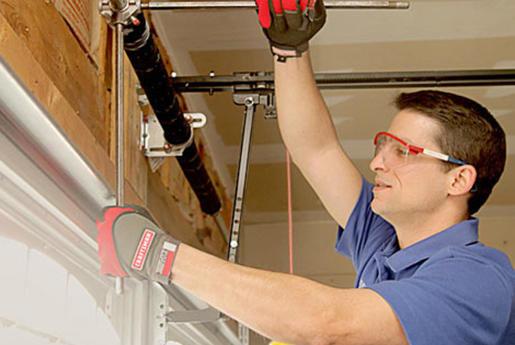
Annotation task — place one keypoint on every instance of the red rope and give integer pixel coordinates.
(290, 216)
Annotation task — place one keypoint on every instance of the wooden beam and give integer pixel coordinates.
(32, 74)
(42, 29)
(75, 90)
(42, 87)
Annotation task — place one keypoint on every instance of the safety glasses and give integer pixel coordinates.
(396, 152)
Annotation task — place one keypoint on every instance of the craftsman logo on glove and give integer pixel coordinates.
(141, 253)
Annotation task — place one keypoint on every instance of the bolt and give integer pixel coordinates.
(106, 13)
(249, 101)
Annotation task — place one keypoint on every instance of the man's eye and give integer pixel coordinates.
(401, 151)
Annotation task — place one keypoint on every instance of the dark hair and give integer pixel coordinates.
(468, 132)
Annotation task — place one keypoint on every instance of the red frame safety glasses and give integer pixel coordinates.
(396, 152)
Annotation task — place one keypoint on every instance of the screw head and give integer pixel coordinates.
(248, 101)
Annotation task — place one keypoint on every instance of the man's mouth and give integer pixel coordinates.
(380, 185)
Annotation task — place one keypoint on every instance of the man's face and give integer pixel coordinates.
(420, 185)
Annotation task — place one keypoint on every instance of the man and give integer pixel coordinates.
(423, 277)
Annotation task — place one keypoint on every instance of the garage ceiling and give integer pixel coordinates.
(431, 35)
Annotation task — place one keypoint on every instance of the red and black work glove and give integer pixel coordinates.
(130, 243)
(290, 24)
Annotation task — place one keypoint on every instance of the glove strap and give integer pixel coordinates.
(283, 58)
(166, 258)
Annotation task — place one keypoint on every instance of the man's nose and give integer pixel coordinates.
(377, 163)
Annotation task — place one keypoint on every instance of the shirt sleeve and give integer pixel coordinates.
(365, 231)
(455, 301)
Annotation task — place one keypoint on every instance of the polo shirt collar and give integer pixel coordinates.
(463, 233)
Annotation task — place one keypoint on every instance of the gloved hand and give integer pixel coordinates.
(130, 243)
(290, 24)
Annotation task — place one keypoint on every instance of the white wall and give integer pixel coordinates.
(499, 232)
(266, 246)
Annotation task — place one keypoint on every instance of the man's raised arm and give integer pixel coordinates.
(304, 120)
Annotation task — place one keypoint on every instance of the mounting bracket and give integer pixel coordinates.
(260, 91)
(122, 15)
(152, 139)
(154, 145)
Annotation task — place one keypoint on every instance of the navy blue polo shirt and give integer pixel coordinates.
(446, 289)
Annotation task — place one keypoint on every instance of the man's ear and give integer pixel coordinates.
(462, 179)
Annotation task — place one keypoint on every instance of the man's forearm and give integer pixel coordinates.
(304, 119)
(278, 305)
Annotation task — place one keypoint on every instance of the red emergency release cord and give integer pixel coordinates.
(290, 216)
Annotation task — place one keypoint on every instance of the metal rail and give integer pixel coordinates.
(264, 81)
(119, 117)
(120, 166)
(341, 4)
(250, 102)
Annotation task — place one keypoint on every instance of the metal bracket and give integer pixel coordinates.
(157, 302)
(268, 102)
(139, 314)
(153, 142)
(154, 145)
(113, 15)
(260, 89)
(193, 316)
